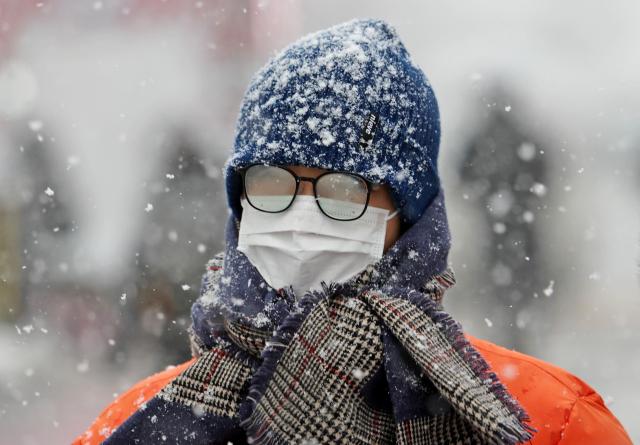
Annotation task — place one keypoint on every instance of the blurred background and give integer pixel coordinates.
(116, 117)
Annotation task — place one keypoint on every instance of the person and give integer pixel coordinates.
(322, 321)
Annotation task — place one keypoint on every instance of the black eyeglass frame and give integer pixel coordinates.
(370, 186)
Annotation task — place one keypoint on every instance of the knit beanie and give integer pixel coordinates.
(345, 98)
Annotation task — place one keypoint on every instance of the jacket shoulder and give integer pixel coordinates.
(127, 403)
(562, 407)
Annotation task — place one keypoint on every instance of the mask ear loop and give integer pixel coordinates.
(392, 215)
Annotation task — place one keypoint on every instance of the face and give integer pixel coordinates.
(380, 197)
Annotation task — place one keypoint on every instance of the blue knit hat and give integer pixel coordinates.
(345, 98)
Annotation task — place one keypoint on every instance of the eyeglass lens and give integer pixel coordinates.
(342, 196)
(339, 195)
(269, 188)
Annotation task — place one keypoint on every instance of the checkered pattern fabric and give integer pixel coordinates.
(433, 288)
(211, 385)
(314, 393)
(247, 337)
(452, 376)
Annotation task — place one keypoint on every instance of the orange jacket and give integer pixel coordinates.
(563, 408)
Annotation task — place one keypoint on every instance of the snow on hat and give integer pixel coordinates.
(344, 98)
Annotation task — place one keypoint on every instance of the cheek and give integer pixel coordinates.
(393, 233)
(381, 200)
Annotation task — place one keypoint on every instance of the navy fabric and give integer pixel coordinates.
(164, 422)
(312, 103)
(413, 396)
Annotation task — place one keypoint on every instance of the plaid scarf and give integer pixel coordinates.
(375, 360)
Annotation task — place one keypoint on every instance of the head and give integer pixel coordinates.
(347, 98)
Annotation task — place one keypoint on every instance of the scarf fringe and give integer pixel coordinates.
(260, 434)
(518, 432)
(253, 422)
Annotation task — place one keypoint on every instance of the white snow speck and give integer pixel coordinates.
(528, 216)
(198, 409)
(538, 189)
(83, 366)
(261, 320)
(313, 122)
(105, 431)
(488, 322)
(358, 373)
(35, 125)
(499, 228)
(149, 207)
(49, 191)
(186, 287)
(527, 151)
(501, 202)
(510, 372)
(327, 137)
(595, 276)
(548, 291)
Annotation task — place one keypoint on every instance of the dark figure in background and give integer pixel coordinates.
(504, 173)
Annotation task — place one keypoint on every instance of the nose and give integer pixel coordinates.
(305, 187)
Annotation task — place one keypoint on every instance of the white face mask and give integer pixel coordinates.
(302, 247)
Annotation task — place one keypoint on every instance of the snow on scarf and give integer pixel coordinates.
(373, 360)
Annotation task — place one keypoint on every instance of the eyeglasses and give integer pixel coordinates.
(340, 195)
